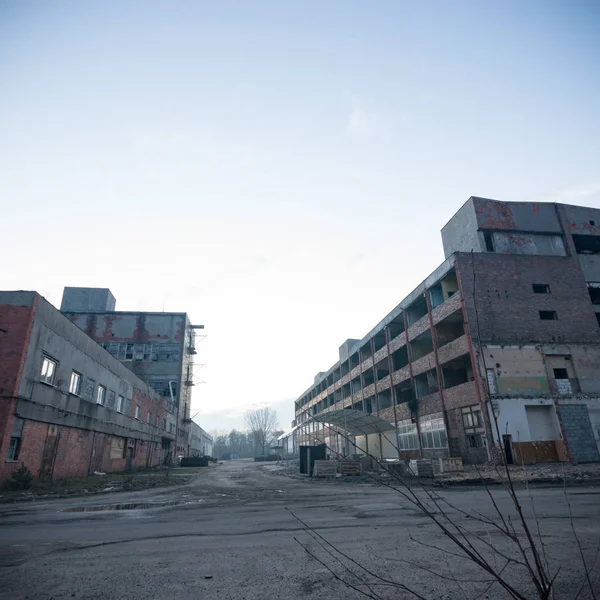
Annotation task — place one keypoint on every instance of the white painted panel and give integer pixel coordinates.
(543, 424)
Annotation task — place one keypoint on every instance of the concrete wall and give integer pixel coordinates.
(517, 370)
(513, 420)
(200, 442)
(528, 243)
(459, 234)
(149, 328)
(590, 265)
(87, 299)
(516, 216)
(582, 220)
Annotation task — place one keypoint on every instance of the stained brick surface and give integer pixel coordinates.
(505, 309)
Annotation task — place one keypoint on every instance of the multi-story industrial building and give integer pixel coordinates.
(158, 347)
(498, 347)
(67, 407)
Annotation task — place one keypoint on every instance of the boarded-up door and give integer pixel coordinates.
(50, 449)
(97, 453)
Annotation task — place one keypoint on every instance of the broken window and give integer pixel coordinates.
(541, 288)
(489, 243)
(548, 315)
(407, 435)
(101, 395)
(14, 447)
(433, 431)
(75, 384)
(48, 370)
(587, 244)
(88, 389)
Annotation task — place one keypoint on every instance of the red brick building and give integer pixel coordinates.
(505, 330)
(67, 407)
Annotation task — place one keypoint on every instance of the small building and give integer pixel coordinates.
(68, 408)
(497, 349)
(200, 442)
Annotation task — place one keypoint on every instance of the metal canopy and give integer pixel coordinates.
(354, 422)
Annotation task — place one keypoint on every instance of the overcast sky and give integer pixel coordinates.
(278, 170)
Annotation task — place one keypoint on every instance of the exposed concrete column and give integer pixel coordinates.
(392, 389)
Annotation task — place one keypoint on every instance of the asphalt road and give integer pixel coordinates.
(230, 534)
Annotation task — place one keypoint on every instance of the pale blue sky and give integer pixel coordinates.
(279, 170)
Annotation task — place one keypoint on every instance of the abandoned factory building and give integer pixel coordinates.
(67, 407)
(498, 348)
(70, 407)
(159, 347)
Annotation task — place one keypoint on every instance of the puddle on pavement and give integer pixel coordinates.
(129, 506)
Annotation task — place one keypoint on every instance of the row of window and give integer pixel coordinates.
(433, 433)
(103, 396)
(144, 352)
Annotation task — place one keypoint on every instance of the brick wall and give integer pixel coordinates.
(16, 323)
(507, 308)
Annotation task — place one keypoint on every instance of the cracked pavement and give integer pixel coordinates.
(228, 534)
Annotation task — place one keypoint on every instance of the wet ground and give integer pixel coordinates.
(229, 534)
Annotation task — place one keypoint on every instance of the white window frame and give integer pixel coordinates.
(408, 438)
(75, 383)
(120, 403)
(433, 431)
(46, 377)
(137, 412)
(148, 417)
(101, 395)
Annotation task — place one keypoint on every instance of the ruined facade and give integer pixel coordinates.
(499, 346)
(67, 407)
(158, 347)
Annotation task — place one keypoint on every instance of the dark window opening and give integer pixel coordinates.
(475, 441)
(594, 293)
(541, 288)
(14, 449)
(592, 223)
(587, 244)
(560, 374)
(489, 243)
(548, 315)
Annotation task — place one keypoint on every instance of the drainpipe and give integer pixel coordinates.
(412, 382)
(177, 421)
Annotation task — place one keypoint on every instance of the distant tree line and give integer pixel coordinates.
(257, 440)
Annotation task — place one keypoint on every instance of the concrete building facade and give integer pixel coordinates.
(498, 347)
(200, 442)
(158, 347)
(67, 407)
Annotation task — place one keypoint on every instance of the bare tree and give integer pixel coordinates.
(261, 422)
